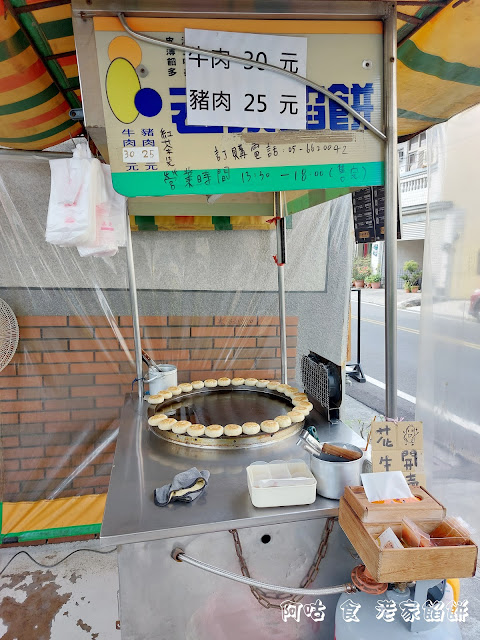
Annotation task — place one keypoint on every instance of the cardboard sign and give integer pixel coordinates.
(145, 105)
(220, 91)
(398, 446)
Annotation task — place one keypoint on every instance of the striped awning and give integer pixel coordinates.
(38, 75)
(438, 68)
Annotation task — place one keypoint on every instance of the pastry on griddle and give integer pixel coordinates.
(304, 407)
(167, 394)
(269, 426)
(224, 382)
(181, 426)
(166, 424)
(196, 430)
(232, 429)
(273, 384)
(176, 391)
(282, 388)
(186, 387)
(238, 381)
(157, 398)
(251, 382)
(211, 383)
(250, 428)
(198, 384)
(299, 397)
(261, 384)
(291, 391)
(156, 418)
(296, 416)
(214, 431)
(283, 421)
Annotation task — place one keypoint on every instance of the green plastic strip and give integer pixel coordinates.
(42, 135)
(133, 183)
(56, 532)
(412, 115)
(13, 46)
(222, 223)
(417, 60)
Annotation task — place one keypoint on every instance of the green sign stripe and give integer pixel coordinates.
(42, 135)
(57, 28)
(13, 45)
(29, 103)
(327, 176)
(221, 223)
(417, 60)
(55, 532)
(412, 115)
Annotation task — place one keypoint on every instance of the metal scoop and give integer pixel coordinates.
(313, 446)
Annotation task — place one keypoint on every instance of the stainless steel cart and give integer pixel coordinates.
(162, 599)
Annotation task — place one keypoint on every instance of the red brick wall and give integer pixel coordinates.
(61, 395)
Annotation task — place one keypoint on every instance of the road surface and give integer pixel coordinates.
(460, 352)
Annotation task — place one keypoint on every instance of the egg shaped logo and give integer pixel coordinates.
(126, 97)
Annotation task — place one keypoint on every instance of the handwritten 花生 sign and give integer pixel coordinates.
(398, 446)
(223, 92)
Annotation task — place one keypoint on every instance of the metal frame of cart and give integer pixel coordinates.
(145, 535)
(322, 10)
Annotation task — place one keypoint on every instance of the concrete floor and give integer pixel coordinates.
(77, 600)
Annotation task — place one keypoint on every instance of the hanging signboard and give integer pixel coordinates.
(157, 146)
(369, 215)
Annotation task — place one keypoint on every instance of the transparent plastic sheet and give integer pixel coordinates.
(447, 389)
(208, 304)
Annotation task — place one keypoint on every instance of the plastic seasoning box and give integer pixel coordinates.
(281, 483)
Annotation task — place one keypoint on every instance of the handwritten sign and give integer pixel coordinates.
(147, 107)
(398, 446)
(220, 91)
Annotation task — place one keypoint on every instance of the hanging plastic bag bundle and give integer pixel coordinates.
(110, 216)
(71, 210)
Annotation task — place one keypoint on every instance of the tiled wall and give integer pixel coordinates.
(60, 397)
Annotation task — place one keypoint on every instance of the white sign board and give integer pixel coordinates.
(156, 150)
(223, 92)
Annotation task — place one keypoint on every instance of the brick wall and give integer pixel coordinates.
(60, 397)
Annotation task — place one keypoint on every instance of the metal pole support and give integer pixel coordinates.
(391, 195)
(134, 302)
(281, 259)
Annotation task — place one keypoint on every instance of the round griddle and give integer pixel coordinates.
(226, 405)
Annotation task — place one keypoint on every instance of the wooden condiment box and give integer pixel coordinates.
(363, 522)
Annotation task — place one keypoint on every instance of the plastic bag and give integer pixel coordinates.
(71, 209)
(110, 217)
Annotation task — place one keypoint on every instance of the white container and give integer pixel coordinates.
(281, 483)
(161, 380)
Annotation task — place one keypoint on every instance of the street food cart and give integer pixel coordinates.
(220, 567)
(282, 553)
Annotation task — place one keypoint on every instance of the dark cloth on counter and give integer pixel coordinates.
(186, 486)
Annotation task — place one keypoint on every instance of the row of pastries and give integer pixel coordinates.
(301, 408)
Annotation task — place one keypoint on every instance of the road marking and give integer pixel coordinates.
(442, 338)
(400, 394)
(383, 324)
(412, 310)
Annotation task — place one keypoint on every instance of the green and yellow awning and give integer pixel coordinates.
(438, 68)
